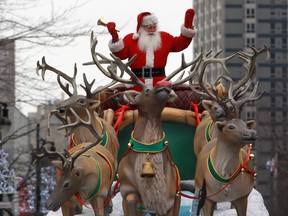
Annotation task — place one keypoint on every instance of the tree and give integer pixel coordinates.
(44, 26)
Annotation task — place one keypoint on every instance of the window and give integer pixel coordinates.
(250, 13)
(250, 27)
(250, 41)
(272, 27)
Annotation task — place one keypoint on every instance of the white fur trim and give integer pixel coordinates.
(149, 57)
(187, 32)
(149, 20)
(135, 36)
(128, 86)
(117, 46)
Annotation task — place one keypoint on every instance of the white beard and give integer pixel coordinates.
(149, 41)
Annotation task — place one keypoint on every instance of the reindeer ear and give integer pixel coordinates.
(58, 164)
(94, 104)
(130, 96)
(78, 172)
(207, 104)
(251, 124)
(172, 96)
(220, 125)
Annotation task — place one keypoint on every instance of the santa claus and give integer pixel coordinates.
(151, 45)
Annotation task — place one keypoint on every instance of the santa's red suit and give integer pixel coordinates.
(152, 61)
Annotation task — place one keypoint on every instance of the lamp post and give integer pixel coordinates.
(4, 120)
(39, 143)
(4, 114)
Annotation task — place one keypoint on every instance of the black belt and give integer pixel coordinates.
(148, 72)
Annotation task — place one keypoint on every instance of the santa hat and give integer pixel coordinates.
(144, 18)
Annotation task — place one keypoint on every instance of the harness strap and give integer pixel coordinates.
(72, 141)
(120, 111)
(243, 166)
(196, 110)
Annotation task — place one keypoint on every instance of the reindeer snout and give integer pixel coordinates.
(62, 109)
(249, 134)
(50, 206)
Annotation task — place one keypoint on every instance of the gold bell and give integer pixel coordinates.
(242, 170)
(252, 156)
(147, 170)
(255, 176)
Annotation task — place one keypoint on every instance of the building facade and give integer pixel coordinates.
(232, 26)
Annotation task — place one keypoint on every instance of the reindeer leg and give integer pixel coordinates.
(174, 211)
(109, 208)
(208, 207)
(129, 204)
(241, 206)
(97, 204)
(68, 208)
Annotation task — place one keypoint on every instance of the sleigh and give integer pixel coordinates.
(179, 120)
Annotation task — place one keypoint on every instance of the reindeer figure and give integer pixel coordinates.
(217, 102)
(79, 104)
(88, 172)
(224, 170)
(148, 177)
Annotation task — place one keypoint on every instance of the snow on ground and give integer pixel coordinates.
(255, 207)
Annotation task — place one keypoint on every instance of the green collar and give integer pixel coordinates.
(207, 131)
(215, 174)
(148, 147)
(105, 138)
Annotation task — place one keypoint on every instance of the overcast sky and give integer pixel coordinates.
(124, 13)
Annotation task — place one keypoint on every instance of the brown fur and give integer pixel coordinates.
(233, 136)
(82, 179)
(82, 134)
(157, 194)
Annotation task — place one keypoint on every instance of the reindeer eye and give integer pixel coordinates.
(66, 185)
(231, 127)
(147, 91)
(81, 101)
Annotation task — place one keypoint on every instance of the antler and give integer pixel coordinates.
(238, 104)
(250, 68)
(57, 114)
(111, 71)
(72, 80)
(79, 122)
(46, 152)
(212, 92)
(192, 72)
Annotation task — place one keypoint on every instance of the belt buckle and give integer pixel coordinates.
(148, 70)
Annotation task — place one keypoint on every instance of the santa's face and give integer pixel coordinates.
(149, 38)
(150, 29)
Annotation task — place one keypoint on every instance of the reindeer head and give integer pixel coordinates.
(227, 105)
(236, 131)
(71, 176)
(152, 100)
(67, 186)
(79, 103)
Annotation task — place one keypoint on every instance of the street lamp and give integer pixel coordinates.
(39, 143)
(4, 120)
(4, 117)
